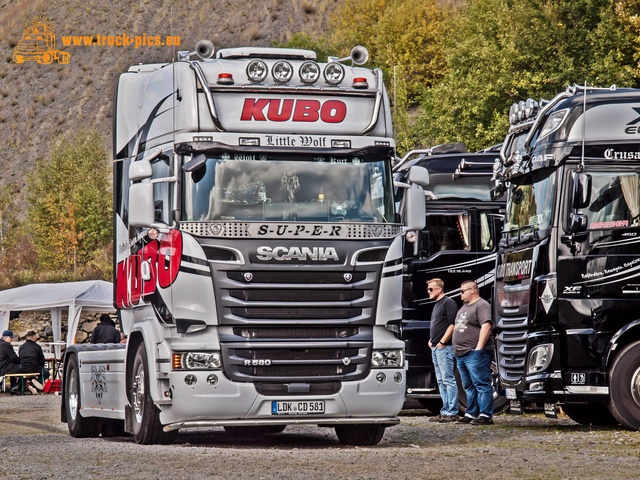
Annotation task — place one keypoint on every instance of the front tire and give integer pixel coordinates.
(79, 426)
(624, 386)
(360, 435)
(147, 428)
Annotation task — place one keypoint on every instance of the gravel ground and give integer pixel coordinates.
(34, 444)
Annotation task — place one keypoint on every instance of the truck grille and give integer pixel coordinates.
(325, 362)
(296, 325)
(511, 345)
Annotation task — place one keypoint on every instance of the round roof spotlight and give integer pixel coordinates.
(282, 71)
(257, 71)
(531, 108)
(513, 114)
(309, 72)
(521, 107)
(333, 73)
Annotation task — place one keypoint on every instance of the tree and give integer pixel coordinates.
(69, 196)
(501, 52)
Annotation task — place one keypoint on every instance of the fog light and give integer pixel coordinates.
(381, 377)
(536, 386)
(540, 358)
(190, 380)
(397, 377)
(212, 379)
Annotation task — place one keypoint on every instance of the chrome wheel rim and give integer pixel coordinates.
(72, 399)
(137, 393)
(635, 386)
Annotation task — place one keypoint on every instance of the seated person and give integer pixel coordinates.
(32, 360)
(9, 361)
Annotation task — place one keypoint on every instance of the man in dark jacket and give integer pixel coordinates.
(105, 331)
(9, 360)
(32, 359)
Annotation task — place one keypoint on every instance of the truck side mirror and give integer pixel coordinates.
(578, 223)
(414, 209)
(140, 170)
(141, 206)
(419, 176)
(581, 190)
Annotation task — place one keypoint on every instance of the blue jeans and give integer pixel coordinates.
(475, 372)
(444, 366)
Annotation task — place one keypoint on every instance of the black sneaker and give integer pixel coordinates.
(435, 419)
(482, 420)
(466, 419)
(448, 418)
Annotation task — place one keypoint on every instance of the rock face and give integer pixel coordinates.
(40, 322)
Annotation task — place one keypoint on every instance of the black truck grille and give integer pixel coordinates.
(512, 348)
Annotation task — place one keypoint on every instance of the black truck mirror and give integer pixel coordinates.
(581, 190)
(578, 223)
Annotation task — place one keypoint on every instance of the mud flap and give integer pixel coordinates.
(516, 407)
(551, 410)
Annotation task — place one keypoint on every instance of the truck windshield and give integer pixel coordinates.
(262, 187)
(530, 205)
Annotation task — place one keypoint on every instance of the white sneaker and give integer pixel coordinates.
(37, 384)
(32, 389)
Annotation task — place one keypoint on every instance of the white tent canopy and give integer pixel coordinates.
(74, 296)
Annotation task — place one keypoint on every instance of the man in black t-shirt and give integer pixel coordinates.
(442, 322)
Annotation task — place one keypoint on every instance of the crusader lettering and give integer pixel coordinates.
(163, 258)
(300, 110)
(321, 254)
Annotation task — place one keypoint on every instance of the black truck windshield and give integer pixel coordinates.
(530, 205)
(266, 187)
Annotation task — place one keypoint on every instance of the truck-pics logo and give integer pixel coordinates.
(38, 44)
(320, 254)
(331, 111)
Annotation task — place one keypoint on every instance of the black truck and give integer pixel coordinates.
(567, 297)
(459, 243)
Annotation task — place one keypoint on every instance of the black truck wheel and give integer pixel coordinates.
(147, 428)
(589, 413)
(360, 435)
(78, 425)
(624, 386)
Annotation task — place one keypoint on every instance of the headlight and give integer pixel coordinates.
(309, 72)
(257, 71)
(282, 71)
(333, 73)
(540, 358)
(197, 361)
(387, 359)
